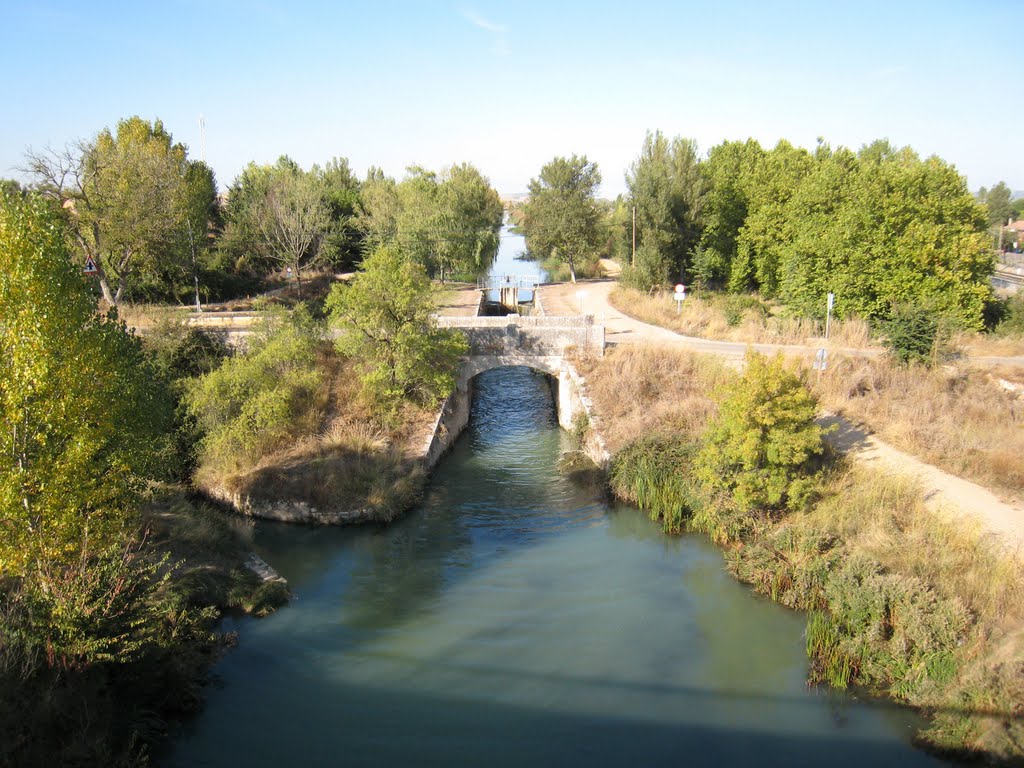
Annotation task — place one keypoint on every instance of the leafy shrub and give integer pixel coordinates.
(887, 630)
(912, 333)
(762, 451)
(650, 272)
(256, 400)
(1011, 316)
(736, 305)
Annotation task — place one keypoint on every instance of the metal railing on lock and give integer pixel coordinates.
(496, 282)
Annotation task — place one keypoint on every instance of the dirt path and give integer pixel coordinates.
(943, 492)
(459, 301)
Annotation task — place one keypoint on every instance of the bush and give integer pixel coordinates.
(736, 305)
(649, 273)
(258, 399)
(384, 315)
(761, 453)
(912, 334)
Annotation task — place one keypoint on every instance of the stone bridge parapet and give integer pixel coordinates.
(528, 336)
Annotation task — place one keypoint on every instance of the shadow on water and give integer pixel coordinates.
(514, 619)
(373, 729)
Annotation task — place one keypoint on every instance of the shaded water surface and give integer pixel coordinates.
(516, 620)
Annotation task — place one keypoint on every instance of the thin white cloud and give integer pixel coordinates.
(496, 31)
(477, 20)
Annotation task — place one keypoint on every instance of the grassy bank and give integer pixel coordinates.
(332, 453)
(955, 417)
(901, 600)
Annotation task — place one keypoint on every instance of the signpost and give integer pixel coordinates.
(828, 312)
(90, 266)
(679, 296)
(821, 360)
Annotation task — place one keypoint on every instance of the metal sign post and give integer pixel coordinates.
(679, 296)
(828, 313)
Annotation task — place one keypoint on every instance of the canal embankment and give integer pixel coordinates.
(900, 599)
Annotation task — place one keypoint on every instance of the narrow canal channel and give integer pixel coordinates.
(515, 619)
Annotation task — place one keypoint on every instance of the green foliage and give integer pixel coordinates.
(258, 399)
(279, 216)
(130, 196)
(997, 203)
(912, 333)
(655, 474)
(736, 306)
(761, 453)
(666, 188)
(384, 316)
(651, 270)
(1009, 316)
(85, 414)
(886, 630)
(92, 655)
(561, 217)
(726, 174)
(448, 223)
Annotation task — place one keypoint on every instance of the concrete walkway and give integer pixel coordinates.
(943, 491)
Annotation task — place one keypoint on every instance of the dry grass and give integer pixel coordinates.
(886, 519)
(146, 316)
(346, 462)
(956, 418)
(643, 390)
(709, 317)
(989, 345)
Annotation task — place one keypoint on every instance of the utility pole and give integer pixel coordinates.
(202, 138)
(634, 237)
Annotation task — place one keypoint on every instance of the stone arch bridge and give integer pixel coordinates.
(541, 343)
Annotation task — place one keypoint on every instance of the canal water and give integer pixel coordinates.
(515, 619)
(509, 262)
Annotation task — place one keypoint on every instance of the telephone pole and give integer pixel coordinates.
(634, 237)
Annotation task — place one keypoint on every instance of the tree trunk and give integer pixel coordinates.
(105, 289)
(572, 270)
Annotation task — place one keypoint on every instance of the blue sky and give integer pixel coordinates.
(507, 86)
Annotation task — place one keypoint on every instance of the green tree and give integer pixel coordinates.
(772, 182)
(562, 218)
(997, 203)
(85, 416)
(384, 316)
(125, 194)
(278, 216)
(665, 186)
(727, 174)
(448, 223)
(885, 228)
(379, 206)
(343, 242)
(762, 450)
(468, 220)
